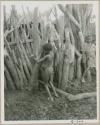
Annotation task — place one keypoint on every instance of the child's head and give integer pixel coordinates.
(47, 47)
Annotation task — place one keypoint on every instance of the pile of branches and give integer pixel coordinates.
(24, 37)
(21, 39)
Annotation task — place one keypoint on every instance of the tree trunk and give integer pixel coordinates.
(76, 97)
(72, 97)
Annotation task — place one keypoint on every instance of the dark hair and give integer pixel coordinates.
(47, 47)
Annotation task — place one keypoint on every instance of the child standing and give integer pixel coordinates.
(46, 68)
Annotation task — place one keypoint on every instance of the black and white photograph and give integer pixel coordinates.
(50, 61)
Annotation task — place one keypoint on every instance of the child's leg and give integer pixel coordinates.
(47, 89)
(51, 83)
(53, 88)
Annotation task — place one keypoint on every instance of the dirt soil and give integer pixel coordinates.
(26, 105)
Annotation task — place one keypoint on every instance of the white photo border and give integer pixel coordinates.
(97, 65)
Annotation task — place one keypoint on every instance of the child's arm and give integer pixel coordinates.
(39, 60)
(42, 59)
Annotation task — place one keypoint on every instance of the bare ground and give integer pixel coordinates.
(25, 105)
